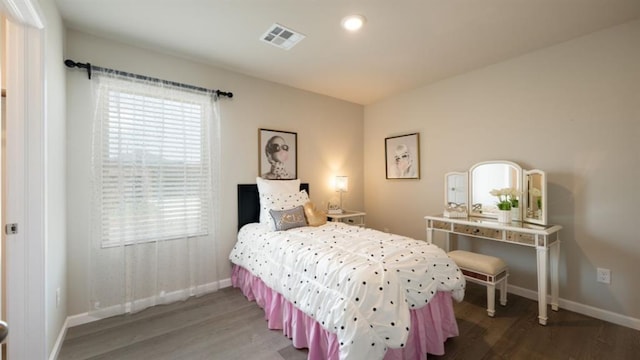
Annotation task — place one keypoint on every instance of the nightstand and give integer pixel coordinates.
(349, 217)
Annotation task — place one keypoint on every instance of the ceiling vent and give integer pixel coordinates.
(282, 37)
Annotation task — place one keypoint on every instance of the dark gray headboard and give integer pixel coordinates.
(249, 203)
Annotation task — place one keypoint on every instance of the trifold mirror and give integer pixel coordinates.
(474, 192)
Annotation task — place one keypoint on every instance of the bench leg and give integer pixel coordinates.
(503, 292)
(491, 299)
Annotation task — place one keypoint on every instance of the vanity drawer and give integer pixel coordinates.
(441, 225)
(477, 231)
(522, 238)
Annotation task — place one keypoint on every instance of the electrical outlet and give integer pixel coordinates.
(58, 297)
(604, 276)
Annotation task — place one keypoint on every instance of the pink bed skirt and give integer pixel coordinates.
(431, 325)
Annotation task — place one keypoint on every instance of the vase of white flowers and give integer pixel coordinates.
(504, 216)
(514, 198)
(515, 213)
(507, 202)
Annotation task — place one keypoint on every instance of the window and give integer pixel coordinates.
(152, 162)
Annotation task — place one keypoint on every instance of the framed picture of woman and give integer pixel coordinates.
(278, 157)
(402, 154)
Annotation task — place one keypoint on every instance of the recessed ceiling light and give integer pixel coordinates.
(353, 22)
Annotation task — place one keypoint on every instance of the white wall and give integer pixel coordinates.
(572, 110)
(330, 139)
(55, 172)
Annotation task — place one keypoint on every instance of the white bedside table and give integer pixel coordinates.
(349, 217)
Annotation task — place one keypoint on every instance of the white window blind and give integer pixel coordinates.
(154, 164)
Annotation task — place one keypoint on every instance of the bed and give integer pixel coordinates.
(346, 292)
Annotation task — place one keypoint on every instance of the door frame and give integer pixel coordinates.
(25, 180)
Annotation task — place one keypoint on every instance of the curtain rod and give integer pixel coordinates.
(71, 64)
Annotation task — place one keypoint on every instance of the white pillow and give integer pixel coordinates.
(277, 186)
(283, 201)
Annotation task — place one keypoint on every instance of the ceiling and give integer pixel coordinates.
(403, 45)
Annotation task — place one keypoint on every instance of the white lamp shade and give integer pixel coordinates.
(342, 183)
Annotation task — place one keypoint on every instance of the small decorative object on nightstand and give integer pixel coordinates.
(333, 207)
(349, 217)
(341, 185)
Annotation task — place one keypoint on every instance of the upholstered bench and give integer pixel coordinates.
(485, 270)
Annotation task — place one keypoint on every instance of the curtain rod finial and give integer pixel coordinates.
(70, 63)
(223, 93)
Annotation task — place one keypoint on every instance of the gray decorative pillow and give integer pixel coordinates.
(288, 219)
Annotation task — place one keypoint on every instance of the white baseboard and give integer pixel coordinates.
(85, 318)
(587, 310)
(59, 340)
(225, 283)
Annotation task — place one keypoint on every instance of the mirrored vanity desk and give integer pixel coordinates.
(545, 238)
(481, 220)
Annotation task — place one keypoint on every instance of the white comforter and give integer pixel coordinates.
(357, 283)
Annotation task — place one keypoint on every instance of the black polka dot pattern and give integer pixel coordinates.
(357, 283)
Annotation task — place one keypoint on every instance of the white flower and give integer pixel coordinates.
(505, 197)
(535, 192)
(512, 192)
(496, 192)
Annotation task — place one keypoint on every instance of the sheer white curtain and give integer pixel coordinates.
(155, 181)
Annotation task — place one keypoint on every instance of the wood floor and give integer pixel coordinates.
(224, 325)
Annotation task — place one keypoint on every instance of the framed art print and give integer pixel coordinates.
(278, 154)
(402, 156)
